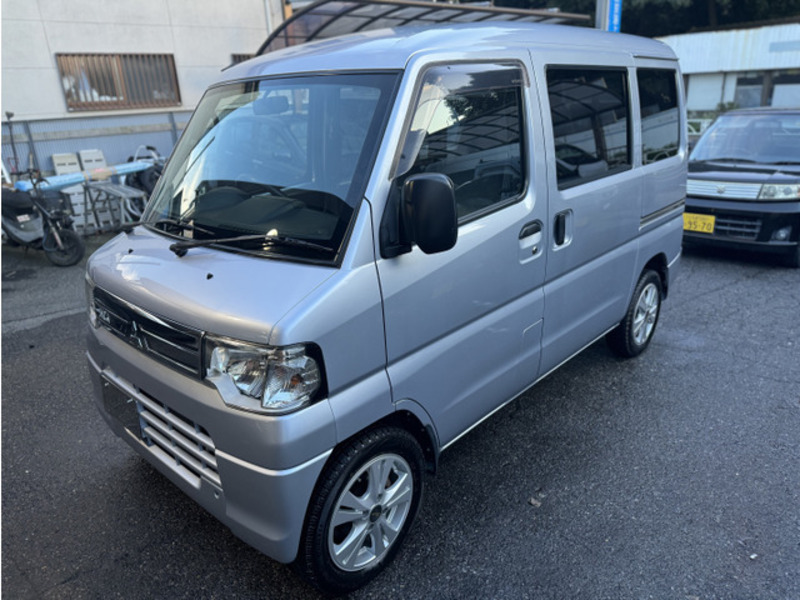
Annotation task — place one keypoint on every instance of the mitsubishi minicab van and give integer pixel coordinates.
(362, 247)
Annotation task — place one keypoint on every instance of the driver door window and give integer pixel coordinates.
(468, 125)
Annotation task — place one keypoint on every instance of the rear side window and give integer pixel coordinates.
(590, 113)
(468, 125)
(658, 99)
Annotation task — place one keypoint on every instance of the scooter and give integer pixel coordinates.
(28, 221)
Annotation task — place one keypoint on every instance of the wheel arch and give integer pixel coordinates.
(409, 416)
(659, 264)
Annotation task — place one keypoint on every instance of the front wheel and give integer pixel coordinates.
(71, 250)
(633, 334)
(363, 507)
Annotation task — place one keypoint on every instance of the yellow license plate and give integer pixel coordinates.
(701, 223)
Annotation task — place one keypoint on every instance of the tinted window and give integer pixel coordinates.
(589, 109)
(467, 125)
(658, 98)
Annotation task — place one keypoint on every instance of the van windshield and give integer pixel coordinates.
(286, 159)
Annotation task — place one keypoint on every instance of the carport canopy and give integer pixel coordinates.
(334, 18)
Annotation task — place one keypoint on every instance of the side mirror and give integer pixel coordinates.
(429, 203)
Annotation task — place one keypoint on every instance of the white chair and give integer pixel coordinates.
(64, 164)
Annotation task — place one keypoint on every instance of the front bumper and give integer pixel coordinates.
(253, 473)
(747, 225)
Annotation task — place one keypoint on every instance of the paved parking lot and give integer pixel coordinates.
(672, 476)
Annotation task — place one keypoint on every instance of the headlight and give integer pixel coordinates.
(771, 191)
(260, 378)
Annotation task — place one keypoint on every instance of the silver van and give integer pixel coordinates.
(363, 247)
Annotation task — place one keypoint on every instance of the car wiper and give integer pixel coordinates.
(183, 225)
(180, 248)
(727, 159)
(786, 163)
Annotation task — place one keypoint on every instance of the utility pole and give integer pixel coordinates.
(608, 15)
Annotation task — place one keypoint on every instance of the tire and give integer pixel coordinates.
(72, 251)
(632, 336)
(355, 525)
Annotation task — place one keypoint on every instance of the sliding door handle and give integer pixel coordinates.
(560, 229)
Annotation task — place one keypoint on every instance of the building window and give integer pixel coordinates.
(237, 58)
(658, 100)
(589, 109)
(118, 81)
(749, 90)
(786, 88)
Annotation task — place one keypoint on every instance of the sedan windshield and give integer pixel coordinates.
(769, 139)
(274, 166)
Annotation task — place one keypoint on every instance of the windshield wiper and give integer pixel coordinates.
(180, 248)
(183, 225)
(729, 159)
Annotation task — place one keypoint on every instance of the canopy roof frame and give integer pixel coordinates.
(341, 17)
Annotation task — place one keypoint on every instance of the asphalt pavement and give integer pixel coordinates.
(36, 292)
(675, 475)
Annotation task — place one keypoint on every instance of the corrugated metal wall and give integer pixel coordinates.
(117, 136)
(761, 49)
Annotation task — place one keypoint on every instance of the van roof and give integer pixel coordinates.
(393, 48)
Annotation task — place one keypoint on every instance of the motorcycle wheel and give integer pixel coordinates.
(72, 251)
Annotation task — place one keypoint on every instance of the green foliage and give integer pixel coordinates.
(665, 17)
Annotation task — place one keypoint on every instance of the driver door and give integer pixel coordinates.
(463, 327)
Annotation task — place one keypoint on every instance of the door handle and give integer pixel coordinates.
(560, 229)
(529, 239)
(530, 229)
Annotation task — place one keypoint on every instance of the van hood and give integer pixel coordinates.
(210, 290)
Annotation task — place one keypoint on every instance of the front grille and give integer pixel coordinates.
(745, 228)
(176, 345)
(723, 189)
(178, 441)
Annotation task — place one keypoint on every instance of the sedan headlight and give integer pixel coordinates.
(779, 191)
(262, 379)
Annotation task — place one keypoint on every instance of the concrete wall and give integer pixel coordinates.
(201, 35)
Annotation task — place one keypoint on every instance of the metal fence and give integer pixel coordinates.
(118, 136)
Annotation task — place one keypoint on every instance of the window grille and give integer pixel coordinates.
(237, 58)
(118, 81)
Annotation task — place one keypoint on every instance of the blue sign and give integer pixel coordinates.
(614, 15)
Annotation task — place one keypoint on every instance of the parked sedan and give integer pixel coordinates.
(743, 190)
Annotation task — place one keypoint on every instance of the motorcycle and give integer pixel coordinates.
(28, 220)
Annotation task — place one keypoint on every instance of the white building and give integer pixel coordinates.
(82, 73)
(742, 67)
(45, 43)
